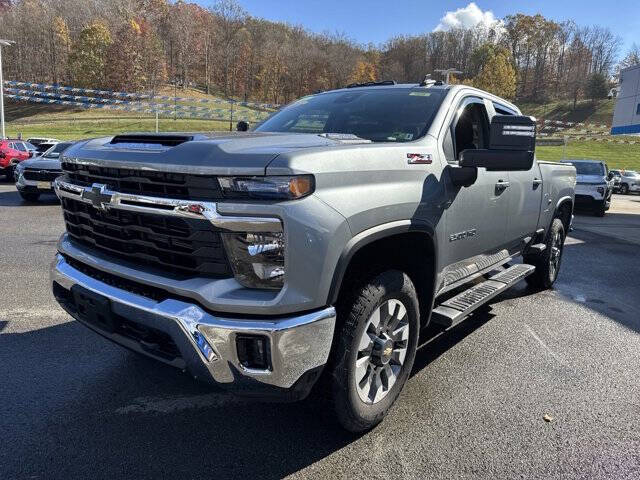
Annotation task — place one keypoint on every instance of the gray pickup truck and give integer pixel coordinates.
(309, 252)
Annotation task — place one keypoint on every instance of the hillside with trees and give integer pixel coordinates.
(141, 45)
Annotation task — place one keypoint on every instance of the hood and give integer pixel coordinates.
(599, 179)
(246, 153)
(42, 163)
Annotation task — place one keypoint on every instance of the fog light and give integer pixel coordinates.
(253, 352)
(600, 190)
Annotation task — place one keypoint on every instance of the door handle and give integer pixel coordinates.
(502, 184)
(536, 182)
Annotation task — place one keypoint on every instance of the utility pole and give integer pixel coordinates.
(447, 72)
(3, 43)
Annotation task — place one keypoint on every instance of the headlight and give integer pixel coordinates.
(273, 187)
(257, 259)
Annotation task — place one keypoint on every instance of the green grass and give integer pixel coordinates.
(586, 111)
(65, 123)
(75, 129)
(614, 154)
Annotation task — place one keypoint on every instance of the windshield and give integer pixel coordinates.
(588, 168)
(56, 150)
(376, 114)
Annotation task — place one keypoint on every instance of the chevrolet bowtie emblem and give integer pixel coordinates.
(97, 195)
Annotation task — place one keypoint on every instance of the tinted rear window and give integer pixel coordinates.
(376, 114)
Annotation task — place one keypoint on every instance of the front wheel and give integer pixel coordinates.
(624, 189)
(375, 347)
(548, 262)
(601, 209)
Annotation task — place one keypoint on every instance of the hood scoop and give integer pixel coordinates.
(149, 142)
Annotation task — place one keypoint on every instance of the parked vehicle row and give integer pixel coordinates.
(12, 152)
(627, 181)
(35, 176)
(594, 185)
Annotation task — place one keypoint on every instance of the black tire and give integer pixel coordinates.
(624, 189)
(339, 382)
(601, 209)
(29, 197)
(548, 262)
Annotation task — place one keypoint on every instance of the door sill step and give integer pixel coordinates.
(454, 310)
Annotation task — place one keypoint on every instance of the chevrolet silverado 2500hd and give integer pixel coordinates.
(311, 250)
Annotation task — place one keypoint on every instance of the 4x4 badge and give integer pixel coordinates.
(97, 195)
(417, 158)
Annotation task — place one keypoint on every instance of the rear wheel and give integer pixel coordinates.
(29, 197)
(374, 350)
(548, 262)
(624, 189)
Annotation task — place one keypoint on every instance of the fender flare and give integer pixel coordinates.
(369, 236)
(562, 200)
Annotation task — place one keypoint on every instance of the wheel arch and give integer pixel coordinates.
(564, 211)
(408, 239)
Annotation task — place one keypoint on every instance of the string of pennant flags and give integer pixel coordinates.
(91, 93)
(109, 101)
(129, 108)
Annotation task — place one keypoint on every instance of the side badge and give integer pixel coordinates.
(419, 158)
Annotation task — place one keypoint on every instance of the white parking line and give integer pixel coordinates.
(544, 345)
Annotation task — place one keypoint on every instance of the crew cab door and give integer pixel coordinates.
(524, 195)
(476, 215)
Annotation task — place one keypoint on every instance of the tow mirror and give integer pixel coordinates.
(512, 142)
(242, 126)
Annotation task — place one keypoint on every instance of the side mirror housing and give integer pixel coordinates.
(497, 160)
(242, 126)
(512, 142)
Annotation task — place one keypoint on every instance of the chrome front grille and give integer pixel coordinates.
(181, 246)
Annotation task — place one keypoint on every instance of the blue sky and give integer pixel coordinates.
(377, 20)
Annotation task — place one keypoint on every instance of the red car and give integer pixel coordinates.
(12, 152)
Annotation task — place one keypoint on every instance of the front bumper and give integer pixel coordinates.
(299, 345)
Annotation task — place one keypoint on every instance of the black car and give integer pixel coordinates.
(34, 176)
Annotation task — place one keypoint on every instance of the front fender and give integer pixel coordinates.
(367, 237)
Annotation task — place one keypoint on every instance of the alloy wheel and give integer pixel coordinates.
(556, 253)
(382, 351)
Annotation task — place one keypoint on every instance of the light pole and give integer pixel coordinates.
(448, 72)
(3, 43)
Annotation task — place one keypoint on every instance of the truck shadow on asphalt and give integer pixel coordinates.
(13, 199)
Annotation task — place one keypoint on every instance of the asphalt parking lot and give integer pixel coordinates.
(73, 405)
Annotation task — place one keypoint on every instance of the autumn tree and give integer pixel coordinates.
(60, 48)
(364, 72)
(497, 76)
(88, 56)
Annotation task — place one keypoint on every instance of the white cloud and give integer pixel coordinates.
(467, 17)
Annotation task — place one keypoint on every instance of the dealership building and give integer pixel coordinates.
(626, 116)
